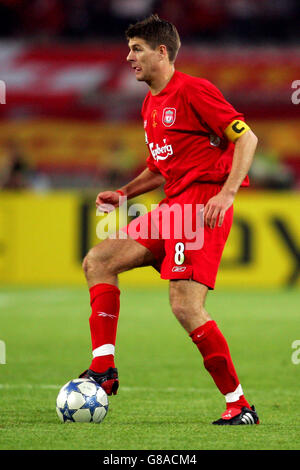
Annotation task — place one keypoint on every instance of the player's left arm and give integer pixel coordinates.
(245, 145)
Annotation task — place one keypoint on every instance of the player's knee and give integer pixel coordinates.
(179, 309)
(85, 265)
(188, 314)
(95, 261)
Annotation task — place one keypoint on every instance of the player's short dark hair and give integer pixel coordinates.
(155, 32)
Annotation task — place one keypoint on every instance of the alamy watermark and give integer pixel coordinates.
(2, 352)
(2, 92)
(296, 94)
(296, 354)
(168, 222)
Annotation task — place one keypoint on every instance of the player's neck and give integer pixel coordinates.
(161, 80)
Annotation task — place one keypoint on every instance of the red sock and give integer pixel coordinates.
(217, 360)
(105, 303)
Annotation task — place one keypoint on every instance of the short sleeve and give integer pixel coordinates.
(150, 164)
(210, 106)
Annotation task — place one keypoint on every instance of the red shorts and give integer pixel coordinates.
(180, 253)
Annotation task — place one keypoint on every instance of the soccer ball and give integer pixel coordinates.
(82, 401)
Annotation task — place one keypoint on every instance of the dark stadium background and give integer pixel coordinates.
(71, 123)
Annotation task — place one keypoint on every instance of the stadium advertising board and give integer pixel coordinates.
(43, 240)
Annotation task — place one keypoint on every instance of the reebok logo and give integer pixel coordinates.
(178, 269)
(103, 314)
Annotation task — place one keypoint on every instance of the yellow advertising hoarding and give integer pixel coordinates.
(43, 239)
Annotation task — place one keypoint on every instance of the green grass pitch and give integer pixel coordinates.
(166, 399)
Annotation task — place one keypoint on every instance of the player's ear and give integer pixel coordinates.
(163, 52)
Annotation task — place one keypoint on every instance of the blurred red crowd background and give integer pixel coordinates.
(71, 117)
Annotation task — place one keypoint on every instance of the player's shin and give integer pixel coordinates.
(105, 303)
(217, 361)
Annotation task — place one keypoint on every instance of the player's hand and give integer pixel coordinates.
(216, 208)
(107, 201)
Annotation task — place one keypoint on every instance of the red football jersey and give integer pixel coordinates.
(184, 129)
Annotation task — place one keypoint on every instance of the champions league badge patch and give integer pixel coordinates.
(169, 116)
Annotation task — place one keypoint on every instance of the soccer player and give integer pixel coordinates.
(200, 149)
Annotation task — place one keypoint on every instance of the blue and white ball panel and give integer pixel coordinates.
(81, 400)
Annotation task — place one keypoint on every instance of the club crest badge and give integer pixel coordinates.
(169, 116)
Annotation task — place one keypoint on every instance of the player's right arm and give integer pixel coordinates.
(143, 183)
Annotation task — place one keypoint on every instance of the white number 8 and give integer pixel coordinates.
(179, 253)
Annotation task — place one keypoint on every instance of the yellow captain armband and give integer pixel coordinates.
(235, 130)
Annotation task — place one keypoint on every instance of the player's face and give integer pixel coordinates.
(143, 59)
